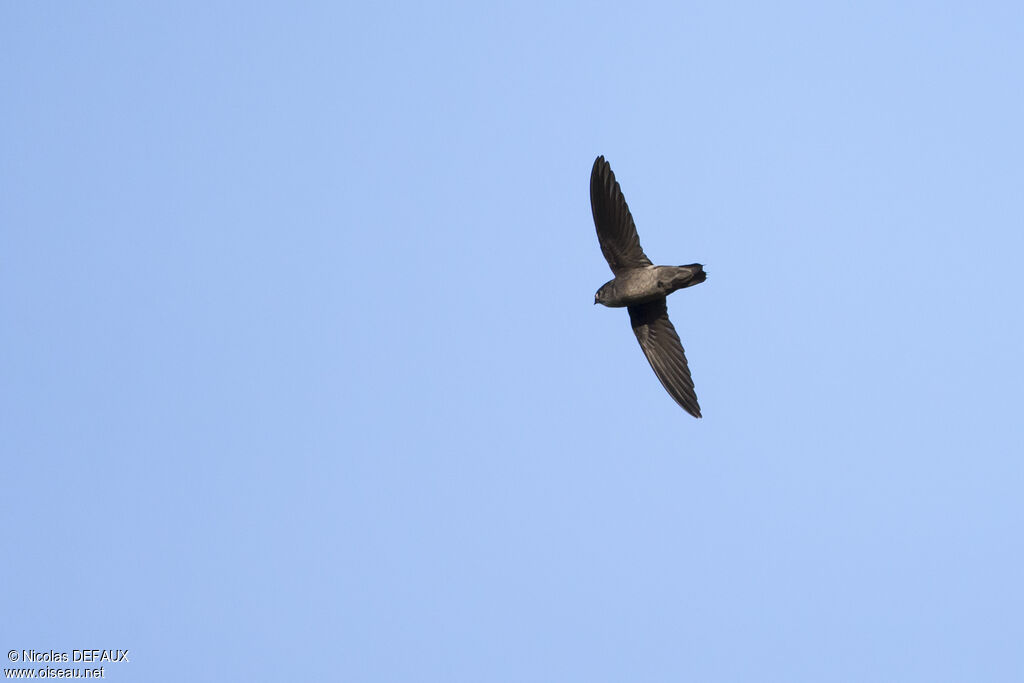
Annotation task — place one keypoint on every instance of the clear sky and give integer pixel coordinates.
(301, 377)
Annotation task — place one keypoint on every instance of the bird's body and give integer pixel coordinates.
(647, 283)
(641, 286)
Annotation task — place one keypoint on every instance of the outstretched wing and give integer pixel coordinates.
(664, 351)
(615, 229)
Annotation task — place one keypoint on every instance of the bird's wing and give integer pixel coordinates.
(615, 229)
(664, 351)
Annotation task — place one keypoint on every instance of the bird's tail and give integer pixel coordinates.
(688, 276)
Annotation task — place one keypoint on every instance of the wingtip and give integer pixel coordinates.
(691, 409)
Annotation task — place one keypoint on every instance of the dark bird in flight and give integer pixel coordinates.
(641, 286)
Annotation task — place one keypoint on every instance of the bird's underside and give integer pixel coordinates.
(648, 283)
(642, 287)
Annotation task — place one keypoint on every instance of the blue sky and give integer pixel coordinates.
(302, 379)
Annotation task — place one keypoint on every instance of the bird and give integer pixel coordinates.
(642, 287)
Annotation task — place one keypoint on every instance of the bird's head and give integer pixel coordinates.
(602, 295)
